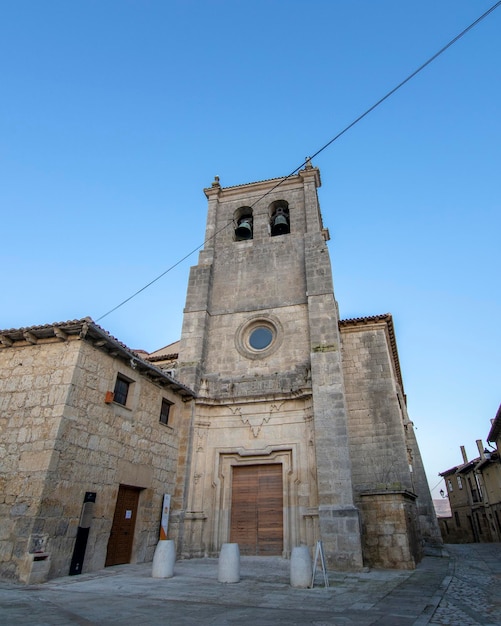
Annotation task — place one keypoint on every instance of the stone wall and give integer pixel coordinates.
(377, 435)
(384, 451)
(390, 534)
(377, 444)
(34, 384)
(427, 517)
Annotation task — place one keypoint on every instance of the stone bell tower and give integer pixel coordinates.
(270, 466)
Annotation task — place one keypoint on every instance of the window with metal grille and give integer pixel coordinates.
(164, 411)
(121, 390)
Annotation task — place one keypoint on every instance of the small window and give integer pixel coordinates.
(164, 411)
(460, 482)
(456, 518)
(449, 483)
(121, 390)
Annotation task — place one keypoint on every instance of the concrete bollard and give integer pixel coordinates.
(164, 559)
(301, 567)
(228, 570)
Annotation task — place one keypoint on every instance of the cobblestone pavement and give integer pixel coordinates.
(462, 590)
(473, 587)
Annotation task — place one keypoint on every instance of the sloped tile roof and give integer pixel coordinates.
(87, 329)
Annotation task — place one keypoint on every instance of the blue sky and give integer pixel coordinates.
(115, 115)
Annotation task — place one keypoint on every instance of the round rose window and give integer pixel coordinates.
(260, 338)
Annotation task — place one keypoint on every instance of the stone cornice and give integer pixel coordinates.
(261, 186)
(385, 492)
(299, 394)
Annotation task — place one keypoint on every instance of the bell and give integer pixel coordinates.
(280, 225)
(244, 229)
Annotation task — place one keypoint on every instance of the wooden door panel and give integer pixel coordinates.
(122, 530)
(244, 512)
(257, 509)
(270, 510)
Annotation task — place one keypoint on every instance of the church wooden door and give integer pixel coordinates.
(122, 530)
(257, 509)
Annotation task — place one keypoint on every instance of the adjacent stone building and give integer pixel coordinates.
(474, 493)
(91, 438)
(301, 431)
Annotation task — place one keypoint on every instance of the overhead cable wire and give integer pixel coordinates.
(162, 274)
(433, 488)
(315, 154)
(380, 101)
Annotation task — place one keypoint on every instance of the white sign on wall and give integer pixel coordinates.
(164, 523)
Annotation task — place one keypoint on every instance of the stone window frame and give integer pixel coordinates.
(225, 459)
(244, 331)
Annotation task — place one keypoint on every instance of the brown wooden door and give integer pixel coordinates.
(257, 509)
(122, 530)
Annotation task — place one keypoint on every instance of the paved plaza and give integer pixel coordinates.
(462, 588)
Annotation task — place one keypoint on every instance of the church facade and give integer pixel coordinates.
(300, 427)
(271, 423)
